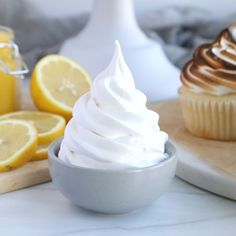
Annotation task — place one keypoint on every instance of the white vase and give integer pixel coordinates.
(115, 20)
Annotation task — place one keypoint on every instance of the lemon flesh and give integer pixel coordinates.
(18, 143)
(49, 126)
(41, 153)
(57, 83)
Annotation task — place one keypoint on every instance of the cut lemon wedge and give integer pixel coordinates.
(57, 83)
(18, 143)
(41, 153)
(49, 126)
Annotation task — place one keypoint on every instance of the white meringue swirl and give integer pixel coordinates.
(111, 126)
(212, 70)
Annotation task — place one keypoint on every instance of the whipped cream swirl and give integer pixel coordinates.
(111, 126)
(213, 67)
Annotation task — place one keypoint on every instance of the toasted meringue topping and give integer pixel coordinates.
(213, 67)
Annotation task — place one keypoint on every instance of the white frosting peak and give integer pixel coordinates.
(111, 126)
(118, 69)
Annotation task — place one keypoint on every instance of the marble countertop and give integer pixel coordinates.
(182, 210)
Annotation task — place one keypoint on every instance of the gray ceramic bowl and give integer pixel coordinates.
(110, 191)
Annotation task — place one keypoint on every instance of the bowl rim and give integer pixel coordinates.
(55, 145)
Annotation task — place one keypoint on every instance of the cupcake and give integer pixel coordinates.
(208, 93)
(111, 126)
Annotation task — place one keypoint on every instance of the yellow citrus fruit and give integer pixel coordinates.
(41, 153)
(49, 126)
(18, 143)
(57, 83)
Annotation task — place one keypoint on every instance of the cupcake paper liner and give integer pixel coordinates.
(208, 116)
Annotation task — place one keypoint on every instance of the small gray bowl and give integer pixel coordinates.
(111, 191)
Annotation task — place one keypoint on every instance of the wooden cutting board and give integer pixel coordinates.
(32, 173)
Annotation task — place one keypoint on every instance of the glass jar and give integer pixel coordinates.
(12, 70)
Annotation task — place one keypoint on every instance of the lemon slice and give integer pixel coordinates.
(57, 83)
(49, 126)
(18, 143)
(41, 153)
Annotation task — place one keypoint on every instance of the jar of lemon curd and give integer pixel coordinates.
(12, 71)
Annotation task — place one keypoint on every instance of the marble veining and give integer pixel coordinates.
(182, 210)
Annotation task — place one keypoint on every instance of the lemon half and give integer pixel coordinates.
(57, 83)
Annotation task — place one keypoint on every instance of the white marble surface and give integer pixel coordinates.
(182, 210)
